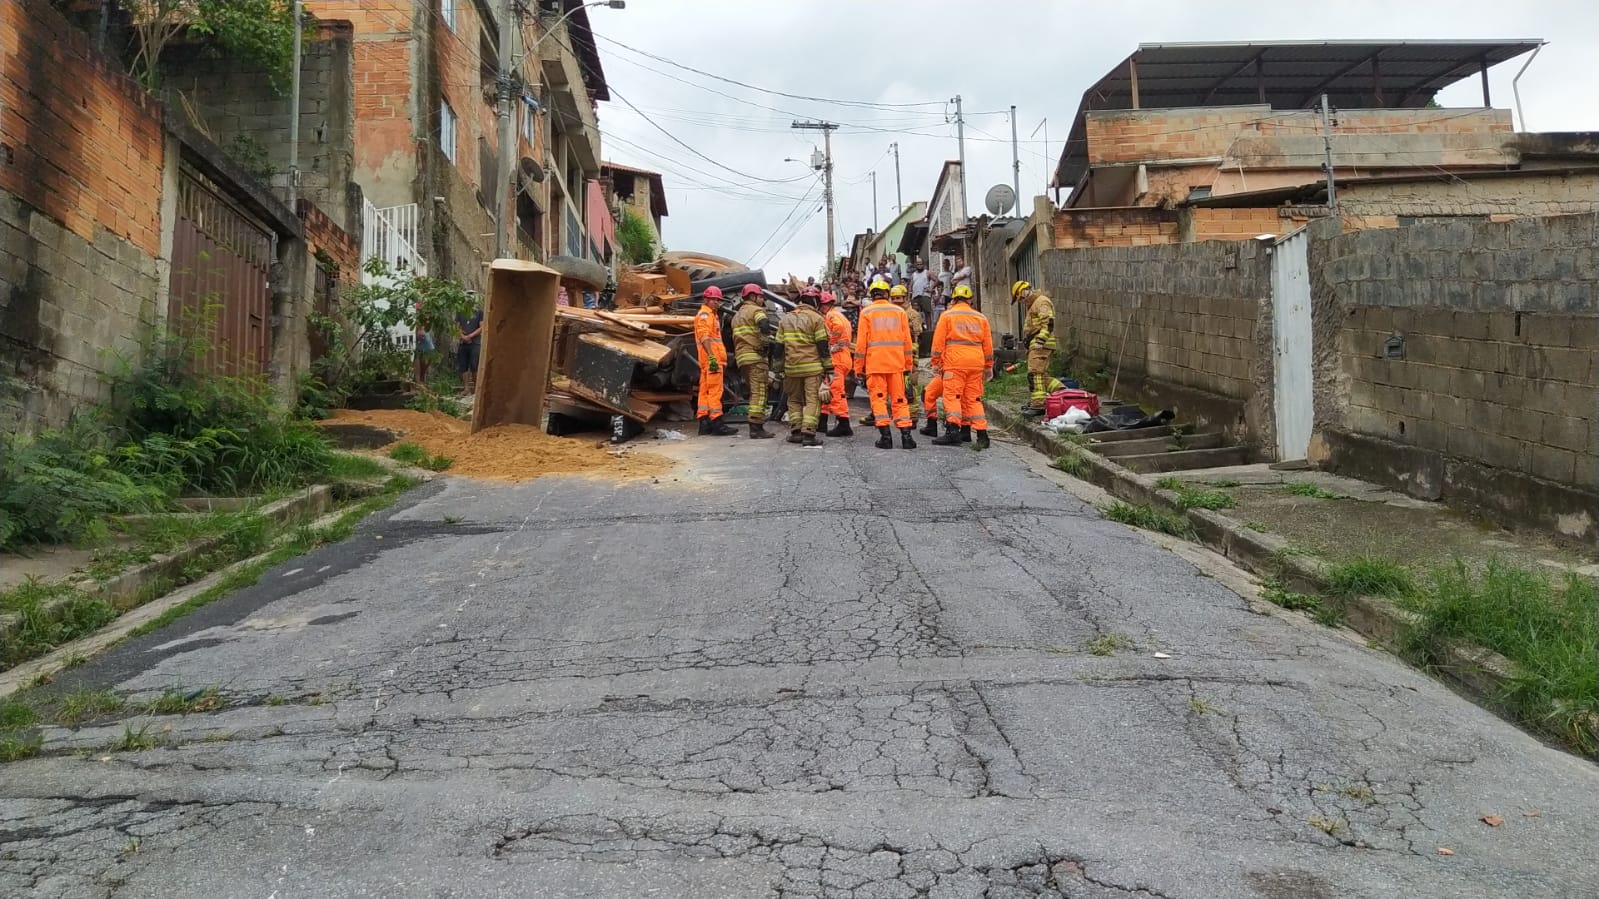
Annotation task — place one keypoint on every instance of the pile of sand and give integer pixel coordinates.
(506, 452)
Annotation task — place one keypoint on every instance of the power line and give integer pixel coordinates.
(792, 234)
(786, 218)
(862, 104)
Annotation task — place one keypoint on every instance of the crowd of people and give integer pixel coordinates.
(818, 355)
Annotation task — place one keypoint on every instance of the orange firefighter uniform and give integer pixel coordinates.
(712, 356)
(840, 340)
(884, 354)
(963, 349)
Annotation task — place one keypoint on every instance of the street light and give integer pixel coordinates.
(612, 4)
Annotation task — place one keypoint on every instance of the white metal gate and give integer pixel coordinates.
(1291, 338)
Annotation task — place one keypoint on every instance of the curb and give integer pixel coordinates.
(129, 584)
(1481, 674)
(24, 674)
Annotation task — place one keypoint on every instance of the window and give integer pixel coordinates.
(447, 130)
(530, 118)
(447, 13)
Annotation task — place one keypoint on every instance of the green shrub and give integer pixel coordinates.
(59, 487)
(409, 454)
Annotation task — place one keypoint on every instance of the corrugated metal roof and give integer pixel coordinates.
(1288, 75)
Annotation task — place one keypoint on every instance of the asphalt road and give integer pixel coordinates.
(782, 672)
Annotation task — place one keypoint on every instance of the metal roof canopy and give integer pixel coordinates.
(1287, 75)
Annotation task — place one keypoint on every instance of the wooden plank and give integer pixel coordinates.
(622, 320)
(667, 321)
(660, 397)
(647, 351)
(636, 409)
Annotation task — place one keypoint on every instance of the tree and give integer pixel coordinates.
(635, 237)
(261, 31)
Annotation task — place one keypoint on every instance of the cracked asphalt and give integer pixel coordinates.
(781, 673)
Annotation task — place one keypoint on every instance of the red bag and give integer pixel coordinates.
(1056, 404)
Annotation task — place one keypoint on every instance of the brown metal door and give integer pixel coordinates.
(221, 271)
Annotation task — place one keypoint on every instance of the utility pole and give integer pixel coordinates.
(510, 29)
(1015, 161)
(827, 129)
(294, 111)
(899, 195)
(960, 137)
(1326, 140)
(874, 202)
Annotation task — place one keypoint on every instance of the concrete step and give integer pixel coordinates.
(1133, 434)
(1186, 459)
(1158, 445)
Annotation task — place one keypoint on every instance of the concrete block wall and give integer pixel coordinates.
(80, 218)
(1124, 227)
(1491, 403)
(1188, 326)
(235, 100)
(1523, 193)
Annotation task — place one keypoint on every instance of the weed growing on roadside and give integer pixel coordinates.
(16, 714)
(16, 748)
(1330, 826)
(1277, 594)
(352, 467)
(1547, 625)
(1370, 576)
(1224, 484)
(411, 454)
(1200, 707)
(1073, 463)
(177, 702)
(133, 740)
(86, 705)
(1108, 644)
(1192, 497)
(1311, 490)
(276, 700)
(48, 615)
(429, 401)
(1149, 519)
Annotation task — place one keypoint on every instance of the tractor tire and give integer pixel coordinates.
(729, 283)
(701, 265)
(586, 272)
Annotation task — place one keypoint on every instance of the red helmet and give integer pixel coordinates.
(713, 293)
(828, 297)
(751, 290)
(812, 291)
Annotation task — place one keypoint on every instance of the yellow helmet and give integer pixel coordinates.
(877, 285)
(899, 291)
(962, 292)
(1017, 288)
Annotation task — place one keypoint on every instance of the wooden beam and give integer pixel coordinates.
(1132, 72)
(636, 409)
(647, 351)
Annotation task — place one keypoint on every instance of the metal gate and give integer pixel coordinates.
(1291, 338)
(221, 278)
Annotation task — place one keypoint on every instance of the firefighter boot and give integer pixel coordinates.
(931, 428)
(811, 439)
(719, 429)
(951, 436)
(885, 440)
(906, 441)
(705, 425)
(795, 435)
(966, 433)
(759, 432)
(841, 428)
(982, 440)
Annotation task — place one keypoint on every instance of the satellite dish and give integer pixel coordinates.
(1000, 199)
(532, 170)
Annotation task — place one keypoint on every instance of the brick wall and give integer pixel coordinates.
(1126, 227)
(1204, 223)
(1185, 323)
(1523, 193)
(80, 216)
(1492, 404)
(237, 105)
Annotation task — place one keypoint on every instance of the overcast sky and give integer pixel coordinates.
(1037, 55)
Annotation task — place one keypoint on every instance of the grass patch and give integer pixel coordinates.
(1010, 385)
(1311, 490)
(1108, 645)
(1370, 576)
(1332, 827)
(16, 714)
(177, 702)
(48, 616)
(14, 747)
(1547, 625)
(411, 454)
(1192, 497)
(353, 467)
(302, 541)
(133, 740)
(1073, 463)
(1149, 519)
(1224, 484)
(1279, 595)
(86, 705)
(1200, 707)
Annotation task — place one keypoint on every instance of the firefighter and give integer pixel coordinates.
(931, 394)
(1038, 333)
(877, 291)
(885, 355)
(840, 339)
(713, 362)
(751, 337)
(807, 364)
(963, 350)
(901, 298)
